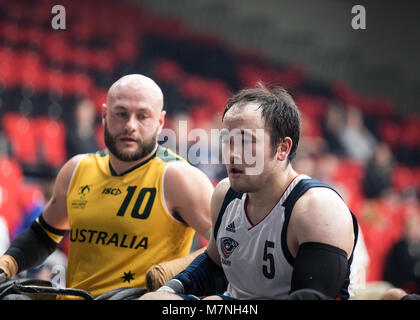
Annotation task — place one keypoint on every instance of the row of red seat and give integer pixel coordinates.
(30, 137)
(16, 195)
(40, 140)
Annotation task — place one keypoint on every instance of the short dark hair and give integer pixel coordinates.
(278, 109)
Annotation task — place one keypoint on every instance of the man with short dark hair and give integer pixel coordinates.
(276, 232)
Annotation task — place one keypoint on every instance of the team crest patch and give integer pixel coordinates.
(82, 192)
(228, 245)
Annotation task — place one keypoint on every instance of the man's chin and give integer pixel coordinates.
(238, 186)
(129, 156)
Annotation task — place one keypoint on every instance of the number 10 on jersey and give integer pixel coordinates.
(147, 194)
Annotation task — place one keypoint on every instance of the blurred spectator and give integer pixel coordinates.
(358, 142)
(402, 266)
(382, 220)
(80, 133)
(332, 124)
(310, 143)
(378, 171)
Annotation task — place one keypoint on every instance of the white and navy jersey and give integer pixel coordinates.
(255, 258)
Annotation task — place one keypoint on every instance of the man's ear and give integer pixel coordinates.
(284, 148)
(161, 120)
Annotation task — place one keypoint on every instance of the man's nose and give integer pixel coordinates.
(235, 152)
(131, 123)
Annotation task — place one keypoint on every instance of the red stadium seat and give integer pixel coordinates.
(51, 135)
(390, 132)
(31, 71)
(77, 83)
(403, 177)
(7, 73)
(344, 93)
(20, 132)
(168, 70)
(9, 31)
(55, 47)
(290, 77)
(312, 108)
(349, 170)
(126, 48)
(211, 92)
(11, 180)
(410, 135)
(55, 81)
(83, 30)
(102, 60)
(375, 106)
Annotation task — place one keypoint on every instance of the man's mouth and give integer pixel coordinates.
(236, 170)
(128, 139)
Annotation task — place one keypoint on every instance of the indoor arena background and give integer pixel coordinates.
(358, 90)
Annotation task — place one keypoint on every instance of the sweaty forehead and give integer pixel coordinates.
(246, 115)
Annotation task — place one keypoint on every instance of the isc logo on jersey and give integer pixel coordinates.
(112, 191)
(227, 246)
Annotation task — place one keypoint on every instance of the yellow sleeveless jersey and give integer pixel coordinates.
(120, 225)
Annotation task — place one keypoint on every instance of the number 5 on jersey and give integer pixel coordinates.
(145, 193)
(268, 271)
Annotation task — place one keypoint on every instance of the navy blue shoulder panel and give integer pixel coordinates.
(229, 197)
(301, 187)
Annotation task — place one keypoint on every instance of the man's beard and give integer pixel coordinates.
(143, 150)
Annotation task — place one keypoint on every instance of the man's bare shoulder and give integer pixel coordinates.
(180, 176)
(222, 187)
(320, 215)
(55, 211)
(187, 192)
(321, 197)
(66, 172)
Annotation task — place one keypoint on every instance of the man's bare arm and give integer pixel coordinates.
(188, 192)
(55, 211)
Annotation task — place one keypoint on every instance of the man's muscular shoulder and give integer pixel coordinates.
(320, 215)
